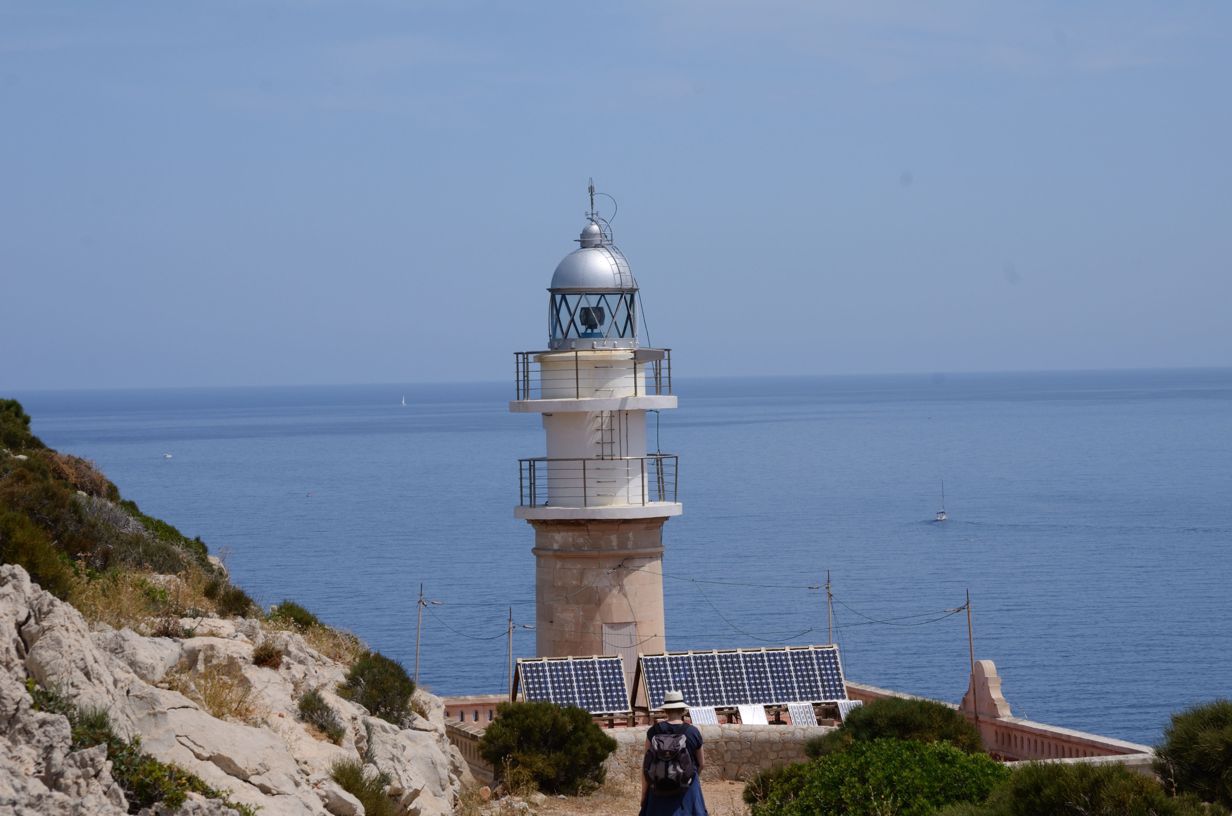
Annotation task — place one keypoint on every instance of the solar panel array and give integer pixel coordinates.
(745, 676)
(596, 684)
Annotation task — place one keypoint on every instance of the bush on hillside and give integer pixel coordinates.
(902, 719)
(758, 789)
(368, 788)
(267, 654)
(291, 612)
(871, 778)
(23, 543)
(561, 747)
(1080, 789)
(1196, 754)
(380, 685)
(15, 428)
(233, 602)
(316, 712)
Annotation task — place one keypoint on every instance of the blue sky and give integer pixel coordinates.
(277, 192)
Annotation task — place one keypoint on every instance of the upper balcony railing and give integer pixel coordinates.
(585, 374)
(627, 480)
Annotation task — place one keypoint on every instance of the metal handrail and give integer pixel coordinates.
(579, 482)
(641, 372)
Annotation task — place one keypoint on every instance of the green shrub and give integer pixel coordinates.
(1081, 789)
(233, 602)
(15, 428)
(23, 543)
(267, 654)
(870, 778)
(291, 612)
(380, 685)
(316, 712)
(144, 780)
(369, 789)
(757, 789)
(561, 747)
(1196, 754)
(902, 719)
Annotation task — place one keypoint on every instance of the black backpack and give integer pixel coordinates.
(668, 763)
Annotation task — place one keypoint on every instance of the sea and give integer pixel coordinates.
(1090, 521)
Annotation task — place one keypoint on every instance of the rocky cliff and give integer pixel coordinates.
(161, 689)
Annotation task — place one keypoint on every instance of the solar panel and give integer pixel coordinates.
(560, 679)
(612, 684)
(657, 679)
(731, 673)
(586, 676)
(706, 670)
(758, 676)
(680, 667)
(534, 681)
(804, 669)
(596, 684)
(831, 671)
(728, 678)
(781, 682)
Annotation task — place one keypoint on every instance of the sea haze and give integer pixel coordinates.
(1090, 518)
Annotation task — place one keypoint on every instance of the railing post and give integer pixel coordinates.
(577, 384)
(584, 501)
(521, 484)
(643, 461)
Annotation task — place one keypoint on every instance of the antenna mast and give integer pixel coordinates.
(829, 608)
(591, 189)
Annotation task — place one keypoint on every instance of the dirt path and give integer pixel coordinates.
(722, 799)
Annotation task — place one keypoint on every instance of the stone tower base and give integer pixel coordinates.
(599, 588)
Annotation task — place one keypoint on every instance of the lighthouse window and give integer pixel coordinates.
(592, 316)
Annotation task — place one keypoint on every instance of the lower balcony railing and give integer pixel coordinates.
(629, 480)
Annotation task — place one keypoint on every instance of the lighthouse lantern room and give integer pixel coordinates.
(598, 499)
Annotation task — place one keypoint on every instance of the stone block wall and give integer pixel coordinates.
(735, 752)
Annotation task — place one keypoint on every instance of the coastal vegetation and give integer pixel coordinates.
(1079, 789)
(146, 782)
(1196, 754)
(559, 747)
(267, 654)
(316, 712)
(882, 776)
(900, 718)
(369, 788)
(380, 685)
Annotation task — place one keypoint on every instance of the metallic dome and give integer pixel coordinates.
(597, 266)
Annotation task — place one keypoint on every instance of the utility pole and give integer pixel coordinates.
(829, 609)
(419, 627)
(970, 637)
(509, 654)
(418, 631)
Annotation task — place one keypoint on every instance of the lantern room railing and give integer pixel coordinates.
(584, 373)
(628, 480)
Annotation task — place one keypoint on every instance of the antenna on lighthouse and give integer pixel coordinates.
(591, 188)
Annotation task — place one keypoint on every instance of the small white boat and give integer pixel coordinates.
(404, 400)
(166, 456)
(941, 515)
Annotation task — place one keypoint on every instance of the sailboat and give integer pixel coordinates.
(941, 515)
(404, 400)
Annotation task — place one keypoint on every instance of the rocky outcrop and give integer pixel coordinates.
(259, 751)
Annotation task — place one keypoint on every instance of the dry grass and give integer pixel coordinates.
(335, 644)
(140, 600)
(81, 474)
(219, 688)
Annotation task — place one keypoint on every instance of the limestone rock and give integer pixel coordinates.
(271, 761)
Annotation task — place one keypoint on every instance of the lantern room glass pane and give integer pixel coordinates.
(592, 316)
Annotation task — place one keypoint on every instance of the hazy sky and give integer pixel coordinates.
(319, 191)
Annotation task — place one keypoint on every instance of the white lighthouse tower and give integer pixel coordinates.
(599, 498)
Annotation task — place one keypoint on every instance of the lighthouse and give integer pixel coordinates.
(599, 497)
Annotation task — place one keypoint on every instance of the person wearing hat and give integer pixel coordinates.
(689, 801)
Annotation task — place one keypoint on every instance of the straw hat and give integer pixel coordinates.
(673, 700)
